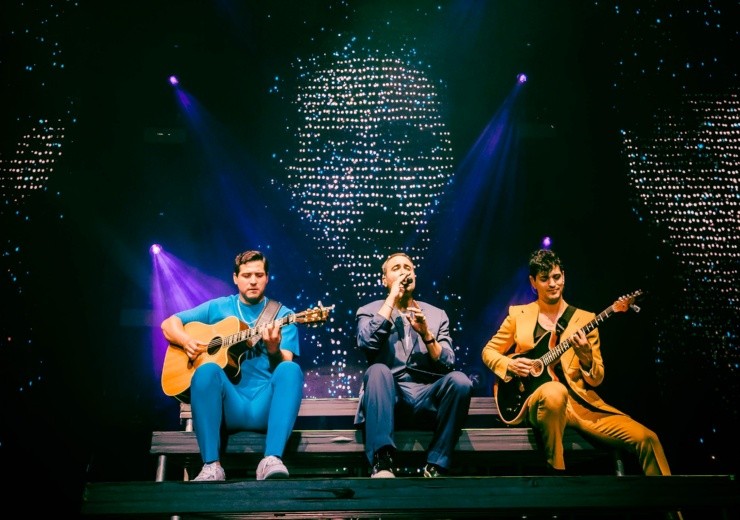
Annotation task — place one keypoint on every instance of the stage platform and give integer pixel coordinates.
(520, 497)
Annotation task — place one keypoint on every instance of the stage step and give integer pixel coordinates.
(587, 497)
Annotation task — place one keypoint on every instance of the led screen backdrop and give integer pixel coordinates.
(332, 133)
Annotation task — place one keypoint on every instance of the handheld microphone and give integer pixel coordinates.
(407, 281)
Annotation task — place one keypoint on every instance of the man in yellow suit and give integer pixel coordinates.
(564, 395)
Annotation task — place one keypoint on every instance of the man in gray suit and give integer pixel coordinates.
(411, 374)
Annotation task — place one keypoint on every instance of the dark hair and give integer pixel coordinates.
(250, 256)
(543, 261)
(382, 268)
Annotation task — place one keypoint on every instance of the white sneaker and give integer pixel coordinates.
(271, 467)
(212, 471)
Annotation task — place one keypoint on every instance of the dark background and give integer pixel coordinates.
(79, 395)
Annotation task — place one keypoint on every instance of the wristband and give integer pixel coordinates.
(428, 342)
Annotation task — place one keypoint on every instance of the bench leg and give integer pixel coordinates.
(188, 428)
(161, 468)
(618, 463)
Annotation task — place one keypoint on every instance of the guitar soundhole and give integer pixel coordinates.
(214, 346)
(537, 368)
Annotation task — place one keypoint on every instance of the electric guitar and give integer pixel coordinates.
(512, 395)
(228, 340)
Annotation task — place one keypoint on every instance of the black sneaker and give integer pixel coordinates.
(382, 464)
(433, 471)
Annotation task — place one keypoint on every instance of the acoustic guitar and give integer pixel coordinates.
(512, 395)
(228, 340)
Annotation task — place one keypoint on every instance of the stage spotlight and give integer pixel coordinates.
(546, 242)
(155, 249)
(521, 78)
(173, 80)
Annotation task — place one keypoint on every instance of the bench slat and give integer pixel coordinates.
(478, 440)
(346, 407)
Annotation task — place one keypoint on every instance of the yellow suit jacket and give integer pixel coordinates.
(517, 330)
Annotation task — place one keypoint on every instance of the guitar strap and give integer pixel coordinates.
(560, 327)
(268, 314)
(562, 323)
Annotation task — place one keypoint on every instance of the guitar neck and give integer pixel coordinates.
(554, 354)
(256, 333)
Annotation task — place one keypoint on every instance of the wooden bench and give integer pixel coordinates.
(325, 443)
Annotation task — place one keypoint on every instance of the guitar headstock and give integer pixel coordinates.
(316, 315)
(627, 302)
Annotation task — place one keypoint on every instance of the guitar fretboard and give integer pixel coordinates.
(554, 354)
(248, 334)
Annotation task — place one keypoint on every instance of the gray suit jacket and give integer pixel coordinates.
(395, 344)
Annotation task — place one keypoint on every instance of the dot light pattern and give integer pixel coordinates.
(672, 60)
(371, 161)
(659, 46)
(372, 149)
(673, 43)
(33, 164)
(35, 134)
(686, 178)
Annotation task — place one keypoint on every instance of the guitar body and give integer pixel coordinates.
(511, 396)
(227, 342)
(178, 369)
